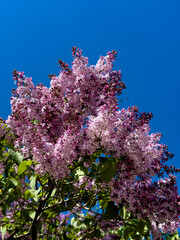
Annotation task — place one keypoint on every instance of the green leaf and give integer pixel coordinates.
(36, 196)
(112, 211)
(27, 194)
(16, 156)
(103, 204)
(127, 233)
(23, 166)
(46, 213)
(33, 182)
(34, 193)
(141, 227)
(5, 219)
(96, 233)
(13, 182)
(123, 212)
(18, 190)
(107, 170)
(29, 163)
(32, 214)
(53, 192)
(79, 173)
(11, 190)
(74, 222)
(3, 231)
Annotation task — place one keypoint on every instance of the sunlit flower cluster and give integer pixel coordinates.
(77, 115)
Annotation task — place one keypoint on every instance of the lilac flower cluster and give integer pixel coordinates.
(159, 201)
(51, 122)
(78, 115)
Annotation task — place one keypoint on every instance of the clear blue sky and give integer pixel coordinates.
(34, 35)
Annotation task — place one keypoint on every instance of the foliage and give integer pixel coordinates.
(74, 166)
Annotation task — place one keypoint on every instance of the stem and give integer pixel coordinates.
(39, 211)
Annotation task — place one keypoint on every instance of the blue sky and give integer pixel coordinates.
(34, 35)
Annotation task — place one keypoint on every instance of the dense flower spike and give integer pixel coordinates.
(48, 122)
(79, 115)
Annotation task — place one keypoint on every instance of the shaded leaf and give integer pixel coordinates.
(140, 227)
(13, 182)
(112, 211)
(27, 194)
(107, 170)
(16, 156)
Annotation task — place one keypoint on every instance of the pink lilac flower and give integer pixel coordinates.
(77, 115)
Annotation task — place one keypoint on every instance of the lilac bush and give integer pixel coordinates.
(73, 150)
